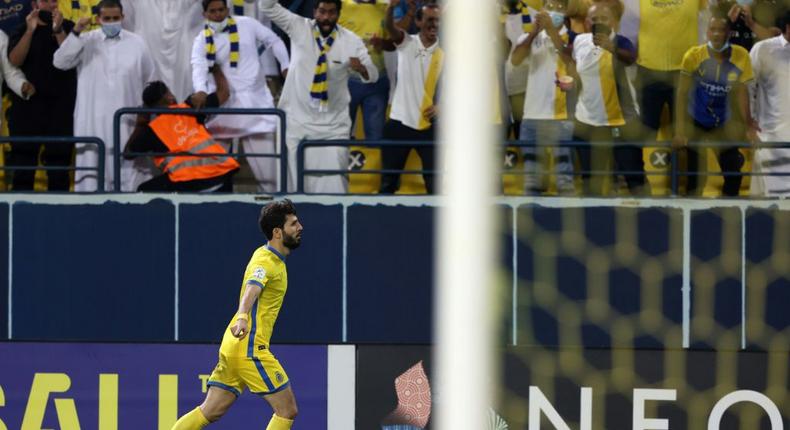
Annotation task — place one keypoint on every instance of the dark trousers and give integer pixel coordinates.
(654, 89)
(162, 183)
(627, 158)
(730, 158)
(394, 157)
(40, 118)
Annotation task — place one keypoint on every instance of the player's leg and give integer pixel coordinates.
(217, 402)
(264, 375)
(284, 405)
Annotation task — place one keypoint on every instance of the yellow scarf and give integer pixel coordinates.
(526, 18)
(434, 69)
(238, 7)
(233, 37)
(319, 91)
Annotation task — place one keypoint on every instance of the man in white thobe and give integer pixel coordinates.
(307, 119)
(168, 26)
(12, 75)
(771, 65)
(256, 132)
(113, 66)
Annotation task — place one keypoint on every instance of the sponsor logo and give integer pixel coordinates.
(7, 12)
(659, 158)
(356, 160)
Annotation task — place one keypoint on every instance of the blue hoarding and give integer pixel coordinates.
(91, 386)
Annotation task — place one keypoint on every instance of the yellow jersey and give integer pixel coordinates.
(366, 20)
(667, 29)
(266, 269)
(73, 10)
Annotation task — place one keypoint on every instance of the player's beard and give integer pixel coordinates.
(291, 242)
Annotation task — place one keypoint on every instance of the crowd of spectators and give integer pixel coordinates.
(587, 85)
(609, 72)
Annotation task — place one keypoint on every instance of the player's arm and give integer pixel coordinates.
(251, 292)
(284, 18)
(396, 33)
(752, 128)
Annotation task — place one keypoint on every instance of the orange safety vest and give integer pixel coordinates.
(183, 133)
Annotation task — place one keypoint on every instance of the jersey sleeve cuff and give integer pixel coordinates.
(256, 283)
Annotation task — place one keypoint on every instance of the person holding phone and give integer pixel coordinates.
(547, 117)
(606, 110)
(31, 47)
(751, 20)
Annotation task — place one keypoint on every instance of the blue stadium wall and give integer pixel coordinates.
(162, 269)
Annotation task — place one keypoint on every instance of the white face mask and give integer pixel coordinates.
(557, 18)
(722, 49)
(111, 29)
(218, 26)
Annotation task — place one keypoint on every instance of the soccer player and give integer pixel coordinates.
(245, 360)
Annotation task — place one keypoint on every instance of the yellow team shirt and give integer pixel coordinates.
(73, 10)
(266, 269)
(667, 29)
(366, 20)
(713, 81)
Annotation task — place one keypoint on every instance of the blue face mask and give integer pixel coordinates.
(722, 49)
(111, 29)
(557, 18)
(745, 2)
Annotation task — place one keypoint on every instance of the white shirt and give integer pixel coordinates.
(515, 76)
(111, 74)
(13, 76)
(414, 60)
(605, 98)
(771, 65)
(541, 91)
(247, 90)
(169, 26)
(295, 99)
(245, 75)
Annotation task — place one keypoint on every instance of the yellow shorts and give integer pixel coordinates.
(261, 374)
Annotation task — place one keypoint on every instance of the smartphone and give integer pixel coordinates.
(601, 29)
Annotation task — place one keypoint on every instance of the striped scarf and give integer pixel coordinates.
(526, 18)
(238, 7)
(211, 49)
(319, 91)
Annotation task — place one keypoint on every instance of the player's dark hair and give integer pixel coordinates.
(337, 3)
(426, 5)
(154, 92)
(109, 4)
(273, 216)
(206, 3)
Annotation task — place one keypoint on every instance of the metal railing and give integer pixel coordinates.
(91, 140)
(301, 172)
(116, 128)
(673, 172)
